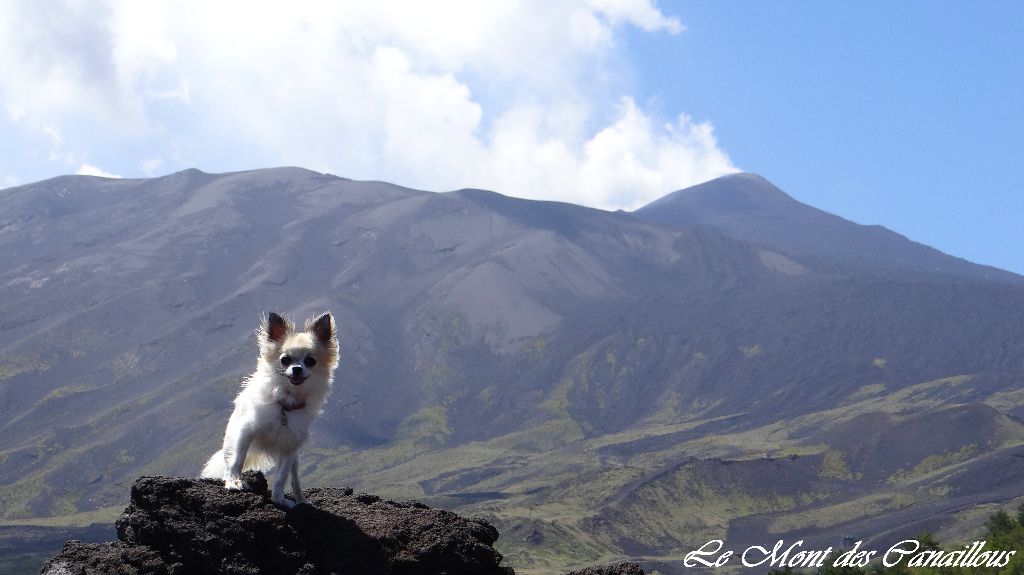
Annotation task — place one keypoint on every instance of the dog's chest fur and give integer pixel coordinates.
(281, 431)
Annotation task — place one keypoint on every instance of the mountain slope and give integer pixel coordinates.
(536, 362)
(750, 208)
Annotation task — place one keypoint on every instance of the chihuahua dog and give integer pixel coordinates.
(277, 404)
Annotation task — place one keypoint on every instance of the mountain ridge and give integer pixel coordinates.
(749, 207)
(534, 362)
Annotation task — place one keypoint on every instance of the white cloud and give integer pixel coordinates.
(518, 96)
(90, 170)
(624, 165)
(149, 166)
(640, 13)
(181, 93)
(15, 112)
(54, 134)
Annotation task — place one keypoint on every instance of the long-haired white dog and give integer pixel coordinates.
(277, 404)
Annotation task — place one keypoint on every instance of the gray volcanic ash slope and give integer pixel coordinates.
(569, 372)
(750, 208)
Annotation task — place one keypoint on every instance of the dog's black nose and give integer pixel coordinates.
(296, 371)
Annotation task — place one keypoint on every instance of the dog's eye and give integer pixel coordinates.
(309, 361)
(286, 360)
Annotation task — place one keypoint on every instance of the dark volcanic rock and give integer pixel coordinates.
(618, 569)
(187, 526)
(95, 558)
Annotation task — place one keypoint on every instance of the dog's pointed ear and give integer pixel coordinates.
(275, 328)
(322, 328)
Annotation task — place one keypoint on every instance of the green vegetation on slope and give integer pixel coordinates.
(1002, 554)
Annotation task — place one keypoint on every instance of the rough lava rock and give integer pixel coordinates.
(179, 526)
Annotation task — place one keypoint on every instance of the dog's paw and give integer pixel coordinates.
(282, 502)
(233, 483)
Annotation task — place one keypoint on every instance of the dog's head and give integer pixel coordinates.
(300, 355)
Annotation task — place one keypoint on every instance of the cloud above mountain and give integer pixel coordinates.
(526, 98)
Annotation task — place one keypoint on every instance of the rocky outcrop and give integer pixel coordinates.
(179, 526)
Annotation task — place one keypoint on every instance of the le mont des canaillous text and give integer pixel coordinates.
(907, 552)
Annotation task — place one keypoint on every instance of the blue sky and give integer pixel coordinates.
(903, 114)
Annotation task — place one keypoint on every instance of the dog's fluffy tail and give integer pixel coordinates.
(254, 460)
(215, 467)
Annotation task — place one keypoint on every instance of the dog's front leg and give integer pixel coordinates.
(234, 457)
(296, 487)
(284, 469)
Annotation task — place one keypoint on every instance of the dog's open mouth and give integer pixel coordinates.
(297, 380)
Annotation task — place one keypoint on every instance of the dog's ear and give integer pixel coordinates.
(322, 328)
(275, 328)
